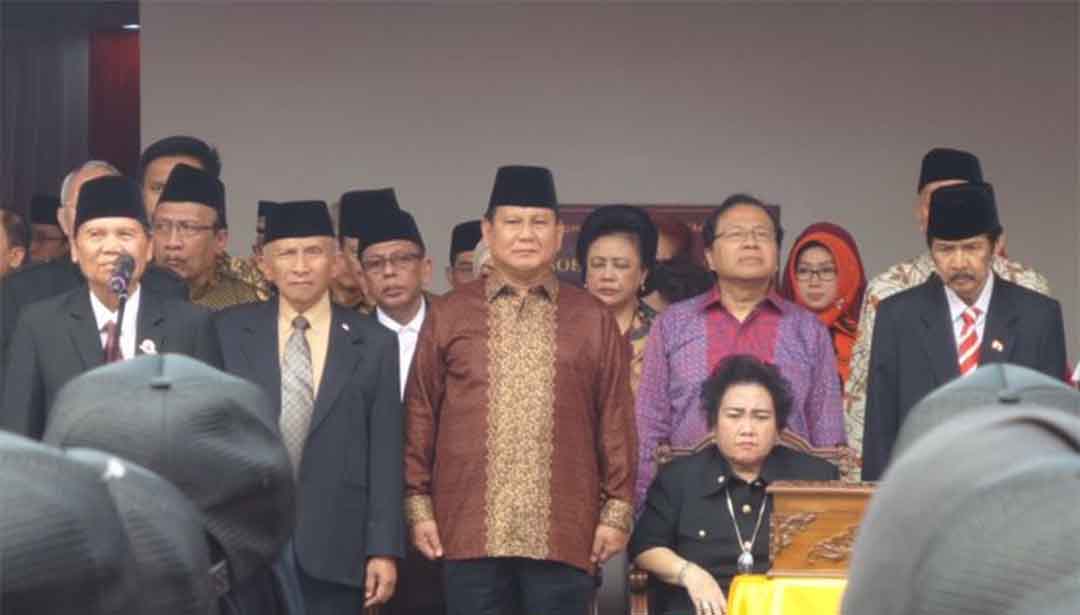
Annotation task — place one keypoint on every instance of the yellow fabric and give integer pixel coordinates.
(760, 595)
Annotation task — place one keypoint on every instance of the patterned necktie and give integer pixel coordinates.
(968, 350)
(112, 342)
(297, 391)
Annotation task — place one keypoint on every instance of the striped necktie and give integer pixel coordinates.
(968, 350)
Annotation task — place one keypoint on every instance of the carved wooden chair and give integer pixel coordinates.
(638, 580)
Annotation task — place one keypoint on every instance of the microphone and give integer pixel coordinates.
(120, 278)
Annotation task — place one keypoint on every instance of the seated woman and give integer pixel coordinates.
(616, 250)
(706, 516)
(824, 274)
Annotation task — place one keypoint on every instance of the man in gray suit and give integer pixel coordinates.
(332, 376)
(61, 337)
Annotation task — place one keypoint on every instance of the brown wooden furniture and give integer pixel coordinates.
(638, 580)
(813, 526)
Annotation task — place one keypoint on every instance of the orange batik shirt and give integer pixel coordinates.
(520, 432)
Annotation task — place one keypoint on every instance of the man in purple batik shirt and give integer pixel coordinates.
(741, 315)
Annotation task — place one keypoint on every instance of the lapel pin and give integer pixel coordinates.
(148, 347)
(997, 345)
(345, 326)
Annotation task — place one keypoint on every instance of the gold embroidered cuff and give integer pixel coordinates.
(617, 514)
(418, 508)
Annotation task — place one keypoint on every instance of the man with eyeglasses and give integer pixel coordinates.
(190, 235)
(741, 314)
(156, 164)
(396, 268)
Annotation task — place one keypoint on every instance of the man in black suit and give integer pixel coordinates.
(75, 331)
(44, 280)
(962, 317)
(332, 376)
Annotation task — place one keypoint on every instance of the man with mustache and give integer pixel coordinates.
(78, 330)
(190, 235)
(941, 166)
(964, 316)
(396, 267)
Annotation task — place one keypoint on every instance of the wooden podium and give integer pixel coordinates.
(813, 526)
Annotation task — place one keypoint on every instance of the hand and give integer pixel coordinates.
(607, 542)
(425, 537)
(704, 591)
(381, 580)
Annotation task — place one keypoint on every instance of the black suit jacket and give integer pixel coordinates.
(57, 339)
(40, 281)
(913, 352)
(350, 483)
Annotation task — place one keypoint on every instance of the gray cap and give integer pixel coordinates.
(63, 548)
(969, 511)
(993, 387)
(166, 535)
(209, 433)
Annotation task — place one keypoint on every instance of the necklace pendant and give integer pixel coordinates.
(745, 564)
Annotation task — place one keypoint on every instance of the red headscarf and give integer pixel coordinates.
(842, 317)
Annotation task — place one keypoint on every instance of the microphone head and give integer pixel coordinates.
(123, 269)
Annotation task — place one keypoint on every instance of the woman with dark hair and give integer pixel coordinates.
(824, 274)
(706, 516)
(616, 250)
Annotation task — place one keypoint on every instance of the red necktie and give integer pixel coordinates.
(968, 350)
(112, 343)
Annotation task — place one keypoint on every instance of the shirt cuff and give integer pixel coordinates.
(418, 508)
(618, 514)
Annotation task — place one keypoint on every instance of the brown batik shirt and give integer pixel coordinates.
(520, 434)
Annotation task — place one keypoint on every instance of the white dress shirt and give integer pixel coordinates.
(128, 328)
(957, 308)
(407, 335)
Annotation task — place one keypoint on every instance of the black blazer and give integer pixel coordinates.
(40, 281)
(913, 352)
(351, 479)
(57, 339)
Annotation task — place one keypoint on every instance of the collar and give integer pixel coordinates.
(318, 315)
(198, 292)
(717, 472)
(412, 326)
(497, 285)
(772, 300)
(103, 314)
(957, 305)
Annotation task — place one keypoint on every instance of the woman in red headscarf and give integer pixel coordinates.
(824, 274)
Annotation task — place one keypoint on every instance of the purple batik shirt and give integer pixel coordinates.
(691, 337)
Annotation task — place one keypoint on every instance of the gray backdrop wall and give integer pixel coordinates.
(824, 108)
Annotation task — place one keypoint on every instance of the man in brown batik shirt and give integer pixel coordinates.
(521, 446)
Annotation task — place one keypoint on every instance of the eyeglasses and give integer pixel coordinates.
(825, 274)
(396, 261)
(187, 230)
(740, 235)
